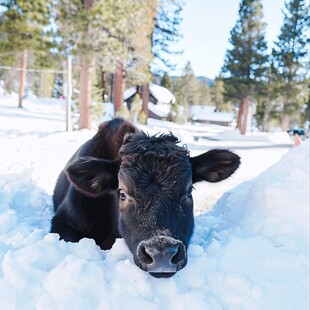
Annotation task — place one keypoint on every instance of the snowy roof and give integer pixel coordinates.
(207, 113)
(214, 117)
(129, 92)
(162, 94)
(201, 109)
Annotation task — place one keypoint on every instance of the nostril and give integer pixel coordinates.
(145, 256)
(177, 256)
(161, 255)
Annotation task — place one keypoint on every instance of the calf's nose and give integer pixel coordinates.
(162, 255)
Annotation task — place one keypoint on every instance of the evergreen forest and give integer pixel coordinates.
(117, 44)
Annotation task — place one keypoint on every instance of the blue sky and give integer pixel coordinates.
(206, 30)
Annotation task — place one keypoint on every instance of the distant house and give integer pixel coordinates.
(160, 100)
(208, 115)
(201, 109)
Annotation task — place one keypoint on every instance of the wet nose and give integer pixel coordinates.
(162, 254)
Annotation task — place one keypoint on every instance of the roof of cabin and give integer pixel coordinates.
(161, 94)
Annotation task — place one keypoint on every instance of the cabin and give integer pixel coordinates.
(209, 115)
(160, 100)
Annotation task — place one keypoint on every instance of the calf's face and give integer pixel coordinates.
(156, 208)
(154, 182)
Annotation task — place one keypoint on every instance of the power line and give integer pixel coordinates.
(33, 70)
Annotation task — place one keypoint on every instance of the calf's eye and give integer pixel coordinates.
(122, 195)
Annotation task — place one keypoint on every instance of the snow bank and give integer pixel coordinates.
(258, 238)
(250, 252)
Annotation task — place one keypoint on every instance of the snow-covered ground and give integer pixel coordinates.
(250, 249)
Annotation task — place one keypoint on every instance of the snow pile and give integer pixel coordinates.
(250, 252)
(258, 239)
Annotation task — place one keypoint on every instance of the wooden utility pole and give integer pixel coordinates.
(85, 95)
(68, 94)
(22, 78)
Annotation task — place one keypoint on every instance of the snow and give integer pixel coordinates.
(250, 248)
(208, 113)
(161, 110)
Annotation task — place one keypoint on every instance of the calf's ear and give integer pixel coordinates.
(92, 176)
(214, 165)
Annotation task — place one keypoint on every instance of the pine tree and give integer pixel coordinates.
(177, 109)
(137, 41)
(265, 98)
(290, 58)
(24, 28)
(245, 62)
(186, 89)
(204, 93)
(217, 95)
(166, 34)
(166, 81)
(80, 26)
(104, 33)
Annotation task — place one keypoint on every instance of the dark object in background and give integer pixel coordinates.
(301, 132)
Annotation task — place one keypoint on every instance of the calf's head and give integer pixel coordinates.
(154, 182)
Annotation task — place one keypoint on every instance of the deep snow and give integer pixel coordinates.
(251, 251)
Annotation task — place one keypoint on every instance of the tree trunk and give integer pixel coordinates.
(186, 110)
(112, 78)
(145, 99)
(22, 78)
(102, 85)
(118, 88)
(266, 116)
(240, 112)
(88, 4)
(285, 123)
(246, 105)
(85, 95)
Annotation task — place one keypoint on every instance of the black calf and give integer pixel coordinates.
(124, 183)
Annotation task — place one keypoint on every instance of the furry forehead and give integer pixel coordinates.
(163, 146)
